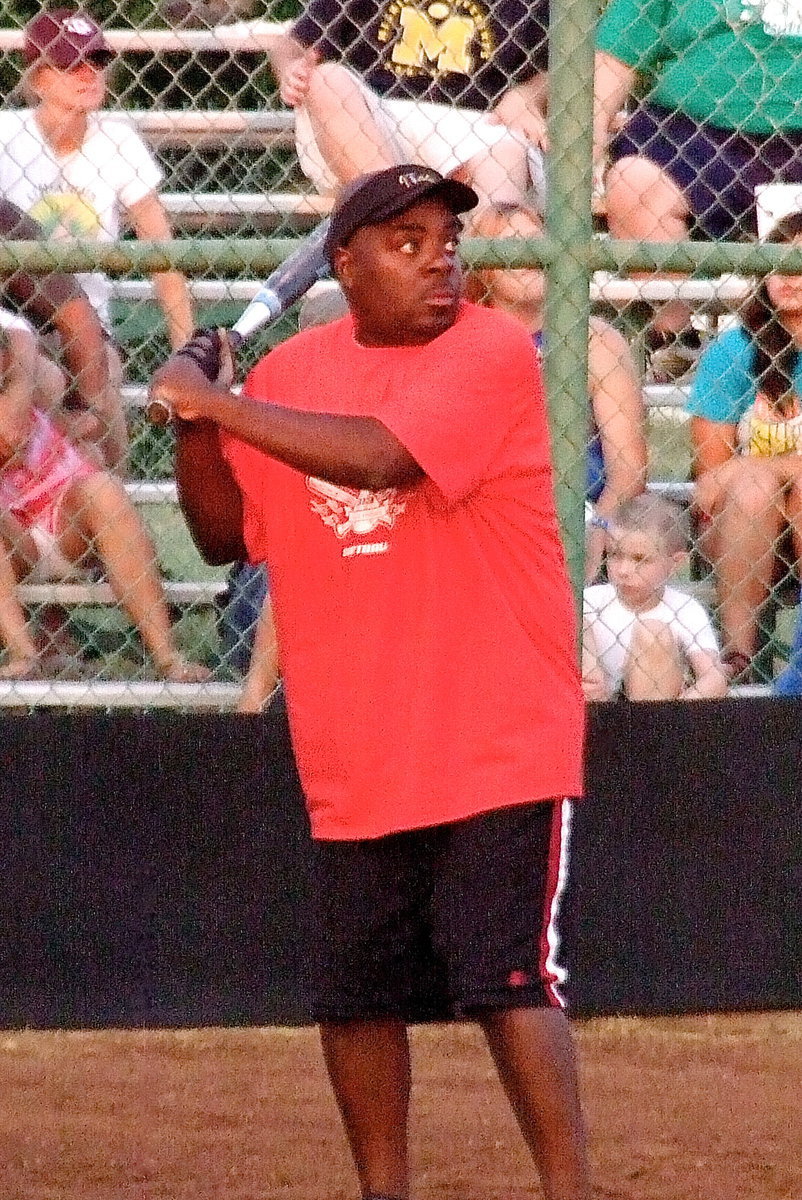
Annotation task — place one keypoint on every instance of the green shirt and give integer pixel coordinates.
(734, 63)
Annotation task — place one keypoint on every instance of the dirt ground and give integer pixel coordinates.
(702, 1108)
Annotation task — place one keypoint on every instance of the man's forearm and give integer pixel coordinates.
(208, 493)
(56, 301)
(353, 451)
(83, 350)
(17, 389)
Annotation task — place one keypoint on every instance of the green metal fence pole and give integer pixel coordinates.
(255, 257)
(569, 227)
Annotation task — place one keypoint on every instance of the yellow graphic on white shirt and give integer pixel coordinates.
(437, 38)
(766, 433)
(66, 215)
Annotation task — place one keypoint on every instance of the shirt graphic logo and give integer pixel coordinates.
(66, 215)
(439, 38)
(411, 179)
(354, 511)
(780, 18)
(78, 25)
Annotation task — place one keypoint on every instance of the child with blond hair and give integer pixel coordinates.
(644, 639)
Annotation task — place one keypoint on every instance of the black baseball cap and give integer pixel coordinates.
(374, 198)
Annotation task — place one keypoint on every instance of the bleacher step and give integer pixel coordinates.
(178, 592)
(98, 693)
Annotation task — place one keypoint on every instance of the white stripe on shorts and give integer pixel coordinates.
(553, 972)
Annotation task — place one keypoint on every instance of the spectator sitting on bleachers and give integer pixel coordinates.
(89, 408)
(643, 639)
(76, 170)
(617, 450)
(59, 514)
(56, 303)
(454, 87)
(721, 115)
(746, 431)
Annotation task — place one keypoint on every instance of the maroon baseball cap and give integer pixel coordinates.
(376, 197)
(63, 38)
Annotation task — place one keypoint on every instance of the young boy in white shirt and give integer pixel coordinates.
(642, 638)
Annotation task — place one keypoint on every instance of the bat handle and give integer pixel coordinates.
(159, 411)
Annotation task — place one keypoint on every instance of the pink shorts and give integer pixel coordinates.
(33, 489)
(52, 566)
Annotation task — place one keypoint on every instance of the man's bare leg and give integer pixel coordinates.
(534, 1056)
(644, 204)
(500, 175)
(347, 134)
(369, 1069)
(351, 141)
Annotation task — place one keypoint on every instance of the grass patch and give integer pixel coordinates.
(178, 558)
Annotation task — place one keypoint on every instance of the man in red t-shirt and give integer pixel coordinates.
(393, 470)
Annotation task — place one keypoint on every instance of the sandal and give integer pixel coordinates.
(738, 666)
(181, 671)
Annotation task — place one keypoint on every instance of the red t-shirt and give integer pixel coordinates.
(427, 634)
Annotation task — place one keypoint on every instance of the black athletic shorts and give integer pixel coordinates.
(717, 170)
(441, 922)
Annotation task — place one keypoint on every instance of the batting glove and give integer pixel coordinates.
(213, 351)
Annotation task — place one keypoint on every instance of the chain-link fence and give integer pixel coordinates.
(671, 366)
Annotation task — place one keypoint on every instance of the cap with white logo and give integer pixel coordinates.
(63, 38)
(376, 197)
